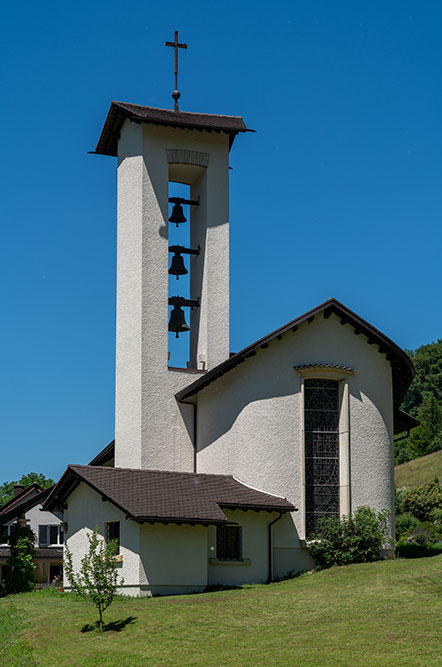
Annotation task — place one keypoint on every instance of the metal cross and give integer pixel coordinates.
(176, 45)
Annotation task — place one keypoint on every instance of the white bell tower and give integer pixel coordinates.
(155, 147)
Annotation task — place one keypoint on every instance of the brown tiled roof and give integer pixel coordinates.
(119, 111)
(402, 367)
(159, 496)
(26, 503)
(16, 500)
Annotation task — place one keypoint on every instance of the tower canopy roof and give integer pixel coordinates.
(119, 111)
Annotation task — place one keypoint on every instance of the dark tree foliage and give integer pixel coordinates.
(7, 488)
(20, 572)
(427, 361)
(424, 401)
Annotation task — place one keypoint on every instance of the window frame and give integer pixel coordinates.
(107, 536)
(222, 543)
(49, 542)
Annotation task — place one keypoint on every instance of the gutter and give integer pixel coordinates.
(270, 545)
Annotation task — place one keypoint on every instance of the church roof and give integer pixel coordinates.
(119, 111)
(166, 497)
(402, 367)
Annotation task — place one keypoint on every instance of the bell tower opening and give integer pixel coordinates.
(180, 268)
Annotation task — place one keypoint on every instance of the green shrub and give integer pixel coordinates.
(354, 539)
(405, 549)
(422, 500)
(405, 523)
(20, 577)
(424, 533)
(436, 516)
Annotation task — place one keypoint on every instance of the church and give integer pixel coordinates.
(221, 470)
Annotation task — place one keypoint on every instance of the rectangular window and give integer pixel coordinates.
(43, 536)
(321, 427)
(228, 543)
(4, 534)
(49, 535)
(112, 532)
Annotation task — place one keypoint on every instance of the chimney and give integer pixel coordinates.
(18, 488)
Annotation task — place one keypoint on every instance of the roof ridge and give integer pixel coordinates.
(163, 472)
(195, 113)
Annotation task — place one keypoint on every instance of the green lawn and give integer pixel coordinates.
(386, 613)
(420, 470)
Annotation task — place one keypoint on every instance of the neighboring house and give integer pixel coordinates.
(220, 471)
(25, 508)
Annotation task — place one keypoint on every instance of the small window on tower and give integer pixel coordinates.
(229, 543)
(112, 532)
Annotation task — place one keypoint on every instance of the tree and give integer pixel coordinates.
(97, 576)
(427, 437)
(7, 488)
(20, 573)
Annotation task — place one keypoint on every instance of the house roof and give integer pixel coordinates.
(20, 497)
(166, 497)
(25, 501)
(105, 455)
(119, 111)
(402, 367)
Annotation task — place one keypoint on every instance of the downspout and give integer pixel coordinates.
(270, 543)
(195, 431)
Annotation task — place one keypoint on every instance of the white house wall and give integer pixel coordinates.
(250, 420)
(86, 510)
(174, 558)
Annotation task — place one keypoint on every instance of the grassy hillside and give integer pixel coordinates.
(419, 470)
(386, 613)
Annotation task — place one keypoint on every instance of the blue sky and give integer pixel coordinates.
(337, 194)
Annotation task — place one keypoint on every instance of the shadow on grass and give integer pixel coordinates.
(113, 626)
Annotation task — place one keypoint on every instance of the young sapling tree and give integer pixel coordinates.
(97, 577)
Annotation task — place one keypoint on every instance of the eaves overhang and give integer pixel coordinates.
(402, 368)
(121, 111)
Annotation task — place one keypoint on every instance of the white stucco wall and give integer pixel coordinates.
(250, 420)
(173, 558)
(85, 510)
(150, 428)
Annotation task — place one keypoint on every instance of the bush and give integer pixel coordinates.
(405, 549)
(354, 539)
(20, 577)
(405, 523)
(422, 500)
(436, 516)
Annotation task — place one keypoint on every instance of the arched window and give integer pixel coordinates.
(321, 427)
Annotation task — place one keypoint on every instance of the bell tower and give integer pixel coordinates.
(156, 147)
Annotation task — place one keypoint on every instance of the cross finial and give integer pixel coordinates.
(176, 45)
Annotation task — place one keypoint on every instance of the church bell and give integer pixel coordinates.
(177, 214)
(177, 322)
(177, 266)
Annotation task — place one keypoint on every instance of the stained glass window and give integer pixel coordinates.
(321, 426)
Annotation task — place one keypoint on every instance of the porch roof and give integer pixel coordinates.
(166, 497)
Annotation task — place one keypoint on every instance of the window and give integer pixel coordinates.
(321, 426)
(112, 532)
(5, 532)
(228, 543)
(49, 535)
